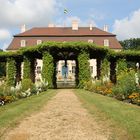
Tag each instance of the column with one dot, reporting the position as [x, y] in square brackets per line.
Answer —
[32, 73]
[18, 71]
[113, 78]
[54, 74]
[29, 68]
[77, 73]
[98, 68]
[10, 72]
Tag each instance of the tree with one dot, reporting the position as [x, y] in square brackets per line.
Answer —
[131, 44]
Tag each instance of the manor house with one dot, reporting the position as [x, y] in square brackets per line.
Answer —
[65, 70]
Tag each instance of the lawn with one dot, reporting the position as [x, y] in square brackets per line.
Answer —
[13, 113]
[122, 118]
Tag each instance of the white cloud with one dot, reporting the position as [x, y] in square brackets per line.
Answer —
[4, 34]
[30, 12]
[5, 45]
[129, 27]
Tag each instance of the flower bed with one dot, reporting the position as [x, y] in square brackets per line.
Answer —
[22, 90]
[125, 90]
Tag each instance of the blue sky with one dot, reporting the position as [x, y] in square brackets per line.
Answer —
[122, 16]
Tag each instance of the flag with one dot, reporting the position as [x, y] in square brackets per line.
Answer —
[65, 11]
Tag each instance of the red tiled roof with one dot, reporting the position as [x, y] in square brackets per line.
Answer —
[64, 31]
[61, 34]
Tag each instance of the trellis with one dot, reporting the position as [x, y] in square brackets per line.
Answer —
[51, 52]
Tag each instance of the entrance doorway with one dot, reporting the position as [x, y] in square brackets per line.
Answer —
[66, 74]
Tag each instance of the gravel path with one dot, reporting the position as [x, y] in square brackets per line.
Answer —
[63, 118]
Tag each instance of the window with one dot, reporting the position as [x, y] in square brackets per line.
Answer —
[91, 69]
[38, 71]
[39, 42]
[90, 41]
[106, 42]
[23, 43]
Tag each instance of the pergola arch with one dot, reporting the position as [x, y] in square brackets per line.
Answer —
[65, 51]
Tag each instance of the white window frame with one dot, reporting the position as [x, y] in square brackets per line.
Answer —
[106, 43]
[23, 43]
[39, 42]
[90, 41]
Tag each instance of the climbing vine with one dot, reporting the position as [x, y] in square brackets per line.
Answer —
[11, 72]
[105, 67]
[26, 68]
[121, 66]
[84, 69]
[48, 69]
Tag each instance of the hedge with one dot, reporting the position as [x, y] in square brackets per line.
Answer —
[84, 68]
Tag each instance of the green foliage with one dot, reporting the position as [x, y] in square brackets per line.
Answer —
[84, 69]
[26, 84]
[105, 67]
[126, 85]
[129, 55]
[6, 94]
[26, 68]
[2, 69]
[48, 69]
[75, 46]
[11, 72]
[4, 55]
[121, 66]
[123, 119]
[16, 111]
[90, 86]
[132, 44]
[65, 45]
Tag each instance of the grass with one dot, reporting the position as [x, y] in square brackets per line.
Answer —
[123, 119]
[11, 114]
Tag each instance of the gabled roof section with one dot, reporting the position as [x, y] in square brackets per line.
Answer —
[63, 31]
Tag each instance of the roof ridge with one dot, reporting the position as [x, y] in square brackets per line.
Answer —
[59, 31]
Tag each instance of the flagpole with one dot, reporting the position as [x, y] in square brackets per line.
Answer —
[65, 13]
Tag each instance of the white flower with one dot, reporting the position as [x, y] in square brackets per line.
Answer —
[23, 94]
[12, 89]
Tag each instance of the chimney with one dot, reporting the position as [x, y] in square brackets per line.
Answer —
[23, 28]
[74, 25]
[106, 28]
[51, 25]
[90, 27]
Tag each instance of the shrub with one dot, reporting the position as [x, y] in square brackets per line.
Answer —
[84, 69]
[26, 84]
[121, 66]
[33, 89]
[126, 85]
[105, 71]
[11, 72]
[99, 87]
[7, 95]
[89, 86]
[48, 68]
[41, 86]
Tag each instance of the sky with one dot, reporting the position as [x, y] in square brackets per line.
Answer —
[121, 16]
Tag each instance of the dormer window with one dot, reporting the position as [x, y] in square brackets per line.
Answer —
[106, 42]
[90, 41]
[39, 42]
[23, 43]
